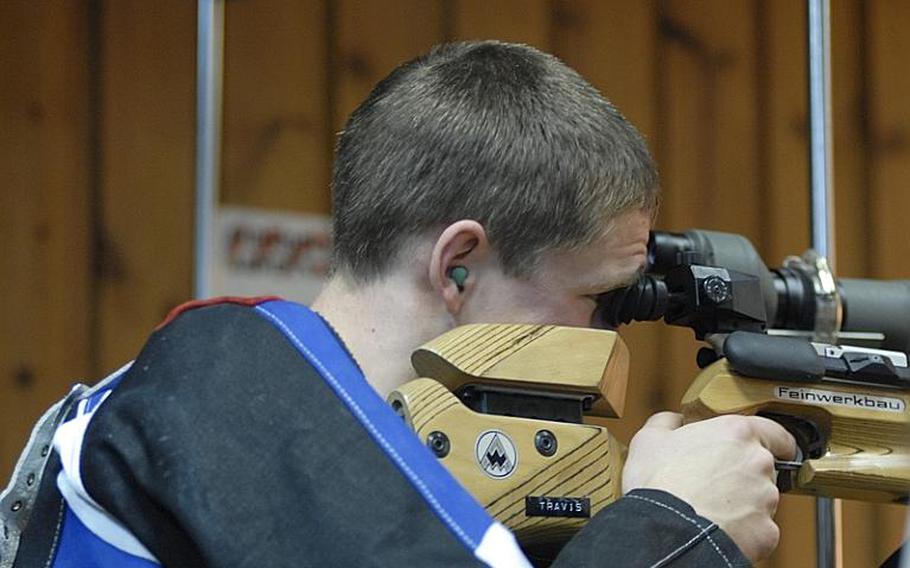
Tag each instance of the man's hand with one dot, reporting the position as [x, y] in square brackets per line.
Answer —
[722, 467]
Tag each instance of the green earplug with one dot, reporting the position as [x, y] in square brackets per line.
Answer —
[458, 274]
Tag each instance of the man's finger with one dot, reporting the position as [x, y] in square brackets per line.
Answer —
[775, 438]
[664, 421]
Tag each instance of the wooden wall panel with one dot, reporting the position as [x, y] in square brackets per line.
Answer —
[45, 232]
[887, 89]
[783, 171]
[147, 143]
[850, 101]
[519, 21]
[717, 40]
[277, 133]
[718, 89]
[369, 39]
[889, 125]
[614, 46]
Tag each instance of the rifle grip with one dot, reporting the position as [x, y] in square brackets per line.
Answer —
[866, 429]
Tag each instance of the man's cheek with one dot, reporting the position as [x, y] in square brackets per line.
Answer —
[574, 314]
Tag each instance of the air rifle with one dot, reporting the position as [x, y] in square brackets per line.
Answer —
[507, 408]
[844, 396]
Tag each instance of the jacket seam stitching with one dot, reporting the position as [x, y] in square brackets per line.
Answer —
[53, 550]
[691, 520]
[683, 546]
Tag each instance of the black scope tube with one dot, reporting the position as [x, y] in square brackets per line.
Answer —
[881, 306]
[877, 306]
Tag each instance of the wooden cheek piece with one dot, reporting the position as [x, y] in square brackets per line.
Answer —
[541, 478]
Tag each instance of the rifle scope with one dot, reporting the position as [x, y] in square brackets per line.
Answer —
[717, 283]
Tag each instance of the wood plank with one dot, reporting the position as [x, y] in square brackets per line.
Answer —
[613, 46]
[277, 134]
[370, 39]
[888, 45]
[784, 139]
[850, 101]
[147, 143]
[516, 21]
[45, 271]
[888, 131]
[719, 37]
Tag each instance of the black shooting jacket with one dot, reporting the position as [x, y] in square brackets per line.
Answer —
[245, 435]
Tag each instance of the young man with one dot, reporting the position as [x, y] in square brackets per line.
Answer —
[483, 182]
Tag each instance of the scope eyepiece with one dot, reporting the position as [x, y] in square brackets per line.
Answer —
[646, 300]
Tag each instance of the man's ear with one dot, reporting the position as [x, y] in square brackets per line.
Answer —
[462, 244]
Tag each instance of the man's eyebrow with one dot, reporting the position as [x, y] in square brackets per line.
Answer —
[632, 278]
[610, 285]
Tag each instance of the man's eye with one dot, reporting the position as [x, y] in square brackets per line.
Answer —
[599, 297]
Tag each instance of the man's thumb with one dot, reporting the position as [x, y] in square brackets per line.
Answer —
[664, 421]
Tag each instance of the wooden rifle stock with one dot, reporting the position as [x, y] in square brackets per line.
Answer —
[540, 477]
[860, 434]
[485, 405]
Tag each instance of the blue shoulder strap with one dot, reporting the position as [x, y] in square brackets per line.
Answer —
[454, 506]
